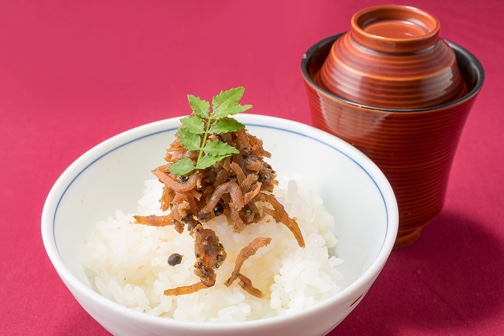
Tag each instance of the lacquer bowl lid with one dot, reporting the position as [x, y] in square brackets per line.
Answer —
[392, 57]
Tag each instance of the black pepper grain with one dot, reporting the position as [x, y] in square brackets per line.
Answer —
[187, 218]
[218, 210]
[174, 259]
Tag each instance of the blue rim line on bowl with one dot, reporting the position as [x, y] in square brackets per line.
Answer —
[248, 124]
[93, 162]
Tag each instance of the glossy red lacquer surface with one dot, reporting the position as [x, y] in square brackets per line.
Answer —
[392, 57]
[414, 148]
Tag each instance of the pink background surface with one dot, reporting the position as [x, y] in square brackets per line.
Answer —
[74, 73]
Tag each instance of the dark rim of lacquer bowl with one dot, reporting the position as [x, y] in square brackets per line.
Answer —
[470, 68]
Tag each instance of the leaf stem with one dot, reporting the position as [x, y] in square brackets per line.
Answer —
[209, 119]
[203, 142]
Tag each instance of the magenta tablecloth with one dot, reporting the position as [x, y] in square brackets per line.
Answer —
[73, 73]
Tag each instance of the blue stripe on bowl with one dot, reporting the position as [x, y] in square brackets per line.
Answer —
[248, 124]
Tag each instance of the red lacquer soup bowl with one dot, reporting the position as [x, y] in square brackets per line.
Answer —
[413, 147]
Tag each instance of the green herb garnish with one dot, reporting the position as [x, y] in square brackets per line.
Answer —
[197, 127]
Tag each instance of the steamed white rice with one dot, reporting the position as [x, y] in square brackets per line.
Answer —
[127, 263]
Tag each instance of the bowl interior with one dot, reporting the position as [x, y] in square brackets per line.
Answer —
[110, 177]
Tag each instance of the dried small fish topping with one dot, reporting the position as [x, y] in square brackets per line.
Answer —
[216, 168]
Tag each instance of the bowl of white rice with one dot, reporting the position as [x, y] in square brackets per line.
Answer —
[117, 271]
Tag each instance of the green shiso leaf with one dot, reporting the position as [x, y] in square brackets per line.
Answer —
[209, 160]
[200, 107]
[182, 167]
[226, 126]
[189, 140]
[203, 122]
[227, 103]
[193, 124]
[219, 148]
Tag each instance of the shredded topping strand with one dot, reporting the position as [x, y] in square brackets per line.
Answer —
[237, 184]
[244, 254]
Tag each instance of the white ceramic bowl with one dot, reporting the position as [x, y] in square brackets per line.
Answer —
[354, 190]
